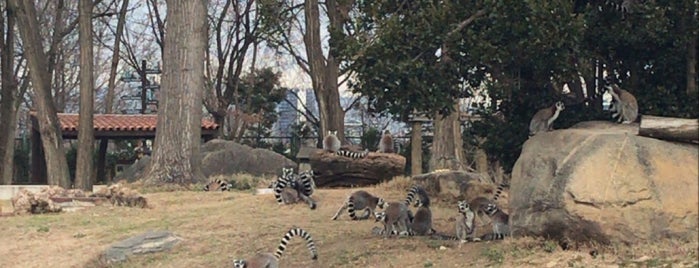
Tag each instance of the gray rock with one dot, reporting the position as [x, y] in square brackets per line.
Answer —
[600, 182]
[149, 242]
[222, 157]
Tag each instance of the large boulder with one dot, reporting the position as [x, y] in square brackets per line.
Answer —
[222, 157]
[600, 182]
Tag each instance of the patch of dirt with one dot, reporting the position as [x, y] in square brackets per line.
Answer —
[218, 227]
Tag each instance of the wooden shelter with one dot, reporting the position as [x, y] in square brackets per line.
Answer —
[106, 126]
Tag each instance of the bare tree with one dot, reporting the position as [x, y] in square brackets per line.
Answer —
[10, 94]
[176, 156]
[234, 31]
[56, 164]
[86, 139]
[324, 70]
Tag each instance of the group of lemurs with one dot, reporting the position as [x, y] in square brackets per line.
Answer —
[624, 108]
[396, 216]
[399, 220]
[332, 143]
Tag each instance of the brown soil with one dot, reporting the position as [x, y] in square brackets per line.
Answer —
[218, 227]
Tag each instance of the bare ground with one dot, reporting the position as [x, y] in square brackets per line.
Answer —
[218, 227]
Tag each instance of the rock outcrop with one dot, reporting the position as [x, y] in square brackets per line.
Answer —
[600, 182]
[222, 157]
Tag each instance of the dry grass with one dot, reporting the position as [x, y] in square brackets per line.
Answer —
[220, 226]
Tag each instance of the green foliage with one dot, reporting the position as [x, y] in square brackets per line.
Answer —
[370, 139]
[521, 53]
[258, 95]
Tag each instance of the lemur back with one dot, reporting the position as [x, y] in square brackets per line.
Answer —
[421, 224]
[396, 214]
[386, 143]
[331, 142]
[360, 200]
[625, 105]
[268, 260]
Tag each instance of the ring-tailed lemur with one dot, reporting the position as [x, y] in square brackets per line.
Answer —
[303, 182]
[396, 217]
[285, 194]
[218, 185]
[543, 119]
[466, 223]
[500, 220]
[352, 154]
[386, 143]
[624, 104]
[331, 142]
[421, 223]
[360, 200]
[479, 204]
[412, 191]
[306, 182]
[269, 260]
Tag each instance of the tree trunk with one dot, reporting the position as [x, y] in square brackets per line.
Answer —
[447, 145]
[9, 100]
[109, 99]
[332, 170]
[176, 156]
[324, 72]
[86, 138]
[692, 66]
[669, 128]
[28, 25]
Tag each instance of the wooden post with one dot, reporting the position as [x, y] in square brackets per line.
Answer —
[416, 149]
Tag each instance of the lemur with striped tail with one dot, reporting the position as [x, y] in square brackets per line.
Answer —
[269, 260]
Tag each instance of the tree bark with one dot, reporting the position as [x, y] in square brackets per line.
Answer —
[9, 99]
[56, 164]
[669, 128]
[447, 145]
[86, 137]
[109, 98]
[176, 157]
[692, 66]
[324, 71]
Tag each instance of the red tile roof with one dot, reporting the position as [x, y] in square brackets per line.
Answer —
[121, 122]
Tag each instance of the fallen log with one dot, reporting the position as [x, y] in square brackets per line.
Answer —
[332, 170]
[670, 128]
